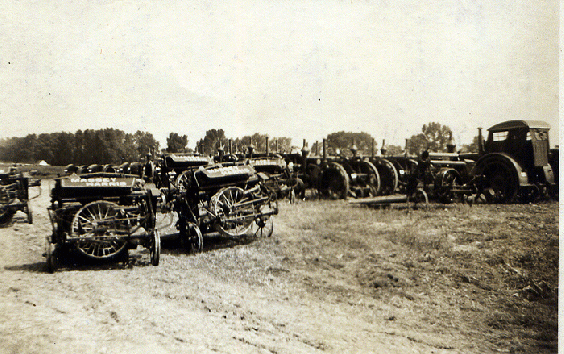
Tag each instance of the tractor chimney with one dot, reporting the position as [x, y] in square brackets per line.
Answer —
[324, 151]
[451, 146]
[480, 142]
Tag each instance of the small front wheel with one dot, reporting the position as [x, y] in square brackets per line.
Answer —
[263, 227]
[155, 249]
[196, 239]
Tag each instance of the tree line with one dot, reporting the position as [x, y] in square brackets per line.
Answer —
[114, 146]
[84, 147]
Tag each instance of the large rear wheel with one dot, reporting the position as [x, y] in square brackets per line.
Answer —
[233, 214]
[500, 183]
[372, 181]
[99, 228]
[335, 182]
[389, 177]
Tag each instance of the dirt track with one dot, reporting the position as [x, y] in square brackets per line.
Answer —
[300, 291]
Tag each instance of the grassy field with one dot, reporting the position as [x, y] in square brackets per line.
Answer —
[486, 272]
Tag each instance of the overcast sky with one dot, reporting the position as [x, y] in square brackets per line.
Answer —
[296, 68]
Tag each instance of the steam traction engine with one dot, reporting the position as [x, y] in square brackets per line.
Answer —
[100, 216]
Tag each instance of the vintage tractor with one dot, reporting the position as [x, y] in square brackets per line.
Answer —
[350, 177]
[101, 216]
[336, 177]
[513, 164]
[230, 199]
[14, 195]
[281, 181]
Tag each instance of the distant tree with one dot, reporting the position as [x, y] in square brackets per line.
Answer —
[345, 140]
[176, 143]
[18, 149]
[104, 146]
[129, 149]
[258, 140]
[63, 149]
[240, 145]
[45, 147]
[145, 144]
[417, 144]
[280, 144]
[434, 137]
[10, 149]
[212, 141]
[394, 150]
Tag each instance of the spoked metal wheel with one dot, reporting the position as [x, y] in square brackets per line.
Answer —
[155, 248]
[389, 176]
[264, 225]
[233, 215]
[99, 228]
[191, 237]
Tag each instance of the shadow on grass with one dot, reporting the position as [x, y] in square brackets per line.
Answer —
[172, 245]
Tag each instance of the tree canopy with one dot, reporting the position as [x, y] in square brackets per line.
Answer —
[176, 143]
[211, 142]
[343, 141]
[104, 146]
[434, 137]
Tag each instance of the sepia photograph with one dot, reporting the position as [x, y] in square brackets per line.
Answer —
[295, 176]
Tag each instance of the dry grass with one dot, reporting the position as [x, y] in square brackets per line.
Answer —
[487, 275]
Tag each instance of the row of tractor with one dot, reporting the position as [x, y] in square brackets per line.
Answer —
[514, 164]
[102, 212]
